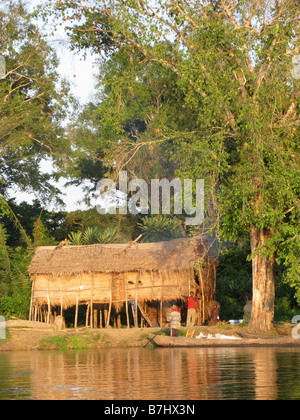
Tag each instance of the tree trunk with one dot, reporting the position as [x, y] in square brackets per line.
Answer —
[263, 285]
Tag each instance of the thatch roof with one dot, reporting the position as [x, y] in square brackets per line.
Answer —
[177, 254]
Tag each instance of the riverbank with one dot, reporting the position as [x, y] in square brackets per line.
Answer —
[28, 336]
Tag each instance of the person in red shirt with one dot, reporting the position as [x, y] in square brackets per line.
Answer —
[191, 314]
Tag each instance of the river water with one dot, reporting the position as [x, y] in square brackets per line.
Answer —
[152, 374]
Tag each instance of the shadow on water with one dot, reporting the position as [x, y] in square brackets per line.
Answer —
[146, 374]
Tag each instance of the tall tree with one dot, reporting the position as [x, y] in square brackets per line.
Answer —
[33, 103]
[233, 62]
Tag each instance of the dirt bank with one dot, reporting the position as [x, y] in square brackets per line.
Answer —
[26, 335]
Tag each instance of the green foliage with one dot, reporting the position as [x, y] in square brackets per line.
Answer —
[26, 222]
[5, 264]
[90, 236]
[94, 236]
[234, 276]
[15, 286]
[81, 220]
[12, 222]
[15, 289]
[15, 305]
[75, 238]
[109, 236]
[289, 251]
[285, 308]
[159, 228]
[88, 162]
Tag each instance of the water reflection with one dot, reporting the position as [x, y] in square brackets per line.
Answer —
[144, 374]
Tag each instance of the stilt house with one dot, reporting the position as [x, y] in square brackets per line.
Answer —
[145, 278]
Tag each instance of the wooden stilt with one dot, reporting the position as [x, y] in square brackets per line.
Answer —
[105, 315]
[161, 317]
[126, 303]
[49, 306]
[76, 313]
[92, 312]
[31, 299]
[110, 302]
[136, 323]
[87, 315]
[96, 318]
[119, 325]
[202, 292]
[31, 311]
[100, 316]
[161, 302]
[61, 299]
[108, 315]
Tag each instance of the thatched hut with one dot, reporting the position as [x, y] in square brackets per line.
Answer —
[106, 278]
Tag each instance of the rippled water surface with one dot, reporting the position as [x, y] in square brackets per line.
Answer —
[144, 374]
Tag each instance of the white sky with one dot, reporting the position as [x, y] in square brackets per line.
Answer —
[80, 73]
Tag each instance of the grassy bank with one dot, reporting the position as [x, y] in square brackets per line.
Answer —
[88, 340]
[35, 336]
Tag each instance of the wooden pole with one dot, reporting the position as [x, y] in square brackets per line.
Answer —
[76, 312]
[119, 325]
[161, 306]
[96, 318]
[202, 292]
[49, 306]
[161, 301]
[100, 316]
[61, 298]
[110, 303]
[136, 323]
[92, 312]
[31, 299]
[126, 303]
[105, 315]
[30, 309]
[87, 315]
